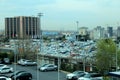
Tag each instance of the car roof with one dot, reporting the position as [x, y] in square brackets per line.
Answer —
[27, 60]
[94, 74]
[80, 71]
[16, 72]
[24, 73]
[48, 64]
[2, 64]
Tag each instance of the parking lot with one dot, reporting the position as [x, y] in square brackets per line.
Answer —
[38, 75]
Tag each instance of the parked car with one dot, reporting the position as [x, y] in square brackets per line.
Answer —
[91, 76]
[6, 69]
[75, 75]
[28, 63]
[3, 65]
[22, 75]
[6, 61]
[48, 67]
[15, 73]
[21, 61]
[3, 77]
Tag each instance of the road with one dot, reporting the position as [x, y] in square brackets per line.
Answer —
[38, 75]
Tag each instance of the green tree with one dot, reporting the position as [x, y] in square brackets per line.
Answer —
[118, 57]
[105, 55]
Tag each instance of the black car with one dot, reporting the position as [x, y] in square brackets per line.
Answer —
[15, 73]
[21, 75]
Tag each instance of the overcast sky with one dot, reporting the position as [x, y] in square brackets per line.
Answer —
[63, 14]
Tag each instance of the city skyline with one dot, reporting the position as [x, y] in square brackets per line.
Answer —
[63, 14]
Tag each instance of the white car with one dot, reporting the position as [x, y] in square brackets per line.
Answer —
[5, 78]
[3, 65]
[6, 69]
[91, 76]
[21, 61]
[28, 63]
[48, 67]
[75, 75]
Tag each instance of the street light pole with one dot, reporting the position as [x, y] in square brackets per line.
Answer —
[77, 22]
[84, 61]
[116, 58]
[58, 56]
[84, 57]
[40, 15]
[58, 67]
[77, 29]
[40, 37]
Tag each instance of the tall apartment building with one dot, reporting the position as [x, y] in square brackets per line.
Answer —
[22, 27]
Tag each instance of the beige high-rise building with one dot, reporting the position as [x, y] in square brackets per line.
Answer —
[22, 27]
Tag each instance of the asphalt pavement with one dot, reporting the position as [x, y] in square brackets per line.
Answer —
[38, 75]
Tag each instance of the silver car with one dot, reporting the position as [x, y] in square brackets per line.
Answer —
[48, 67]
[28, 63]
[91, 76]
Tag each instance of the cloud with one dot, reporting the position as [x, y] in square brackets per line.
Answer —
[63, 12]
[65, 5]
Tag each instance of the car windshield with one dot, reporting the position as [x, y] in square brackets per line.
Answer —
[76, 72]
[87, 75]
[17, 72]
[28, 61]
[44, 65]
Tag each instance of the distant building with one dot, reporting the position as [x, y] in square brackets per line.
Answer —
[22, 27]
[82, 34]
[70, 36]
[91, 34]
[83, 31]
[98, 33]
[109, 32]
[118, 31]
